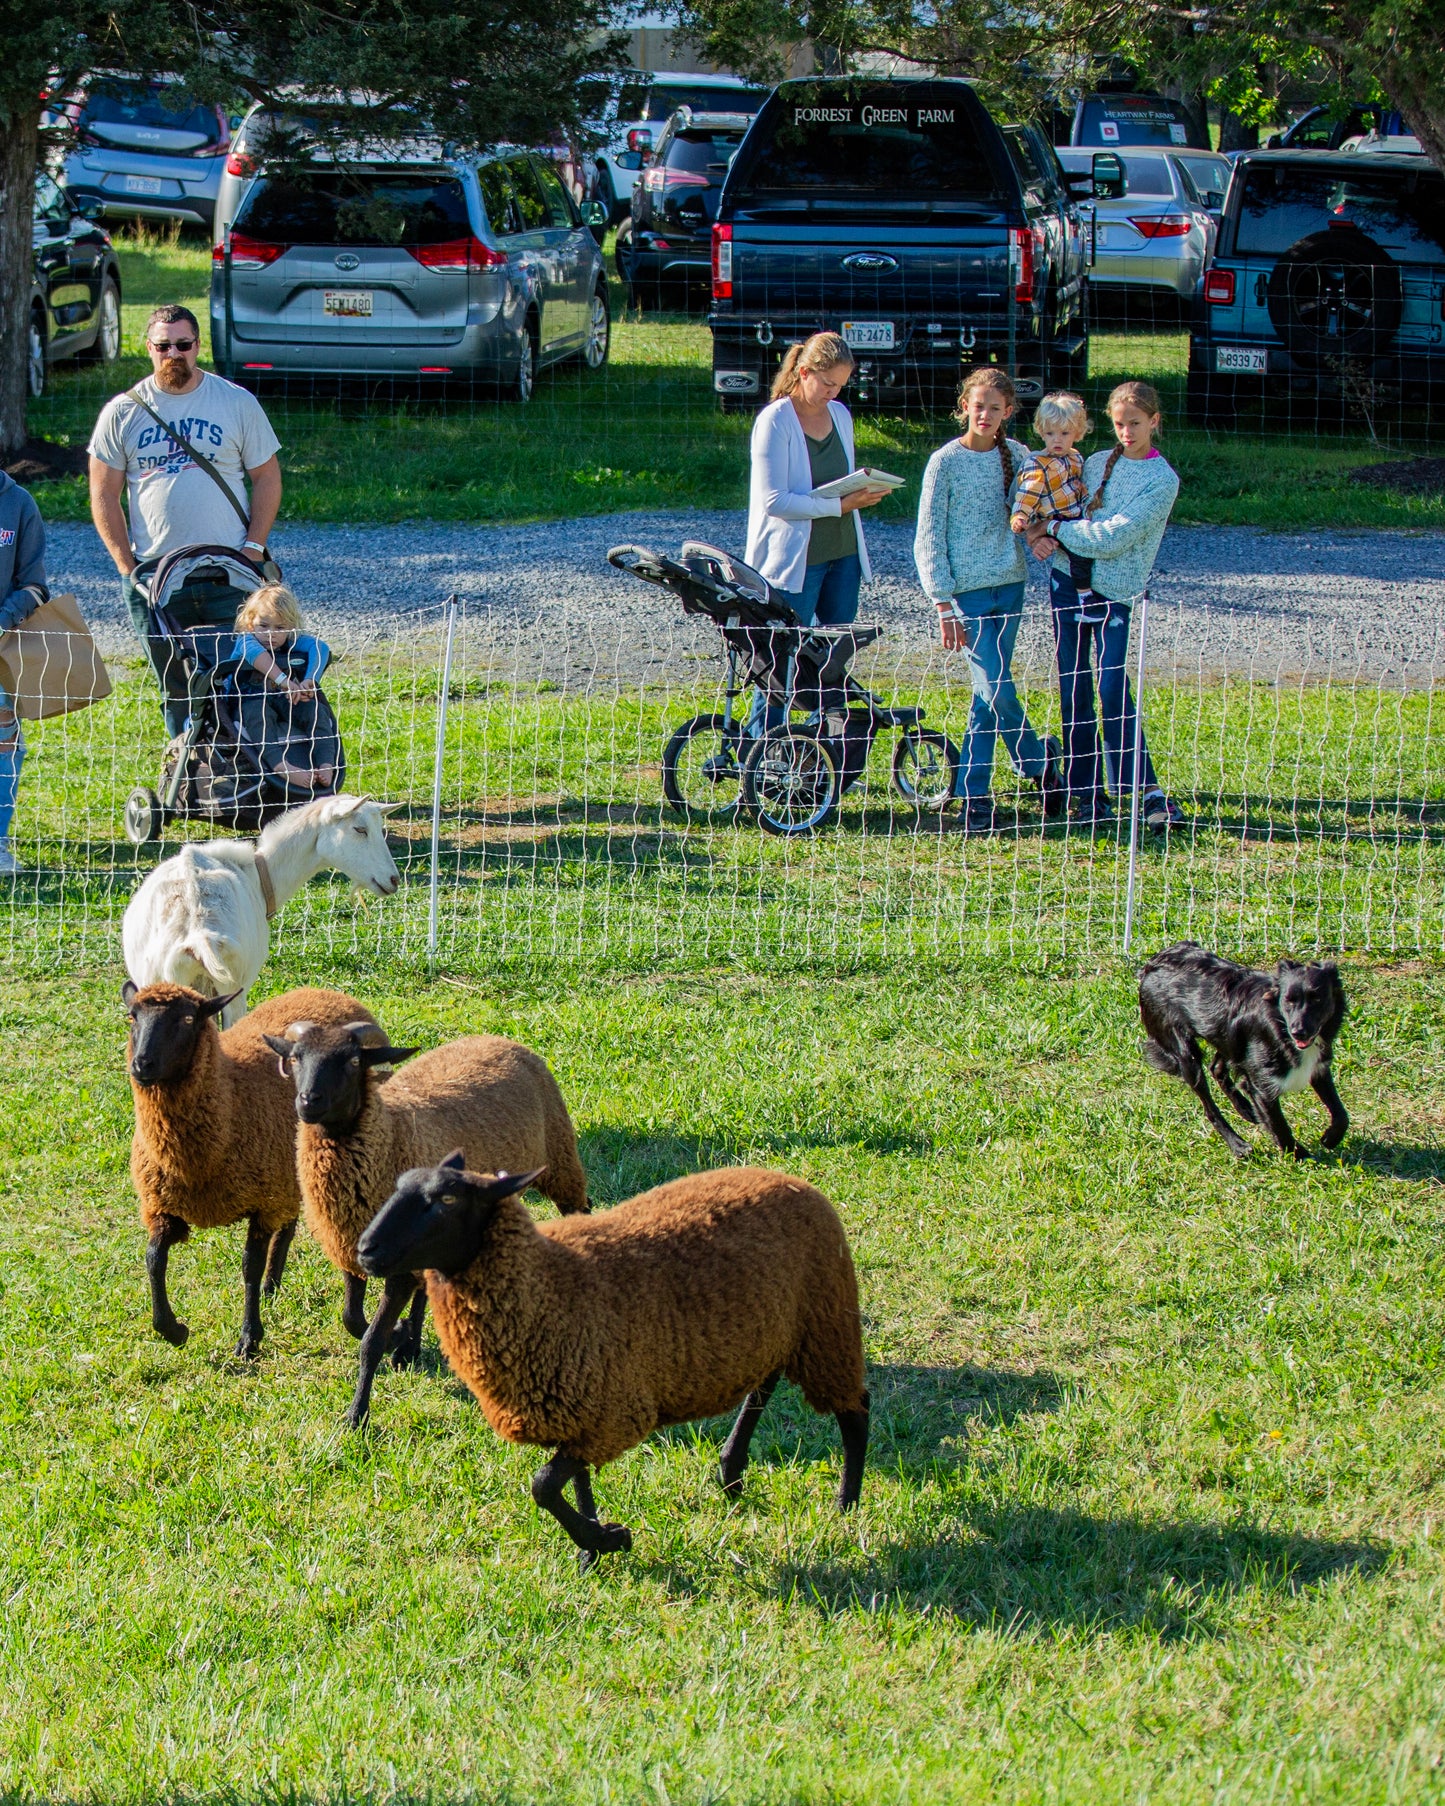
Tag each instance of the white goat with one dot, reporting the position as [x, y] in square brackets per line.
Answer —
[202, 918]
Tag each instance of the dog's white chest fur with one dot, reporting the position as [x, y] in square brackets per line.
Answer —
[1299, 1078]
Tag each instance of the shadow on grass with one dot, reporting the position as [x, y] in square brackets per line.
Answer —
[1024, 1570]
[1400, 1160]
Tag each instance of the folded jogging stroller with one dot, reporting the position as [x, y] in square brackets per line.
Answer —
[226, 766]
[808, 738]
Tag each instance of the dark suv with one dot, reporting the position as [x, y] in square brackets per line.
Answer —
[664, 251]
[1329, 276]
[896, 213]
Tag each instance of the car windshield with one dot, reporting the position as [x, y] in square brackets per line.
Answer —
[703, 153]
[152, 108]
[1404, 211]
[665, 99]
[331, 208]
[1132, 119]
[903, 142]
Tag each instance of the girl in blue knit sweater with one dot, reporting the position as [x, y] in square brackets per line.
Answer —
[972, 564]
[1132, 492]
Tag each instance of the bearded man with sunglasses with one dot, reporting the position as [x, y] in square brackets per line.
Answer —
[142, 448]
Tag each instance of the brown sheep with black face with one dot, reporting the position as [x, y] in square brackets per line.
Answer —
[493, 1096]
[587, 1335]
[215, 1132]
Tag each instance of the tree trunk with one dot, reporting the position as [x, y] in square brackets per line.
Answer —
[1421, 102]
[1236, 133]
[19, 147]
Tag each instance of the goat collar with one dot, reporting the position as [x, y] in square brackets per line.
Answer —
[268, 894]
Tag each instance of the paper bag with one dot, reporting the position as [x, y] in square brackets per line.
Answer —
[49, 663]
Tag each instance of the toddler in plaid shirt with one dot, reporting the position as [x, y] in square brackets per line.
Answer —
[1052, 487]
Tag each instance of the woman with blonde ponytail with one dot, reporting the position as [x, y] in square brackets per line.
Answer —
[1132, 490]
[809, 546]
[972, 565]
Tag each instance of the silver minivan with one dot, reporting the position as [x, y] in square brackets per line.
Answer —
[1158, 235]
[481, 270]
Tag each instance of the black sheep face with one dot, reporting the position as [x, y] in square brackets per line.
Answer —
[164, 1035]
[436, 1219]
[328, 1066]
[1307, 998]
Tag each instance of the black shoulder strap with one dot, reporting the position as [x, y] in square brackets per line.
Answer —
[199, 458]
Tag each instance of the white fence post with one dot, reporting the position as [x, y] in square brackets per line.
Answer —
[436, 787]
[1138, 761]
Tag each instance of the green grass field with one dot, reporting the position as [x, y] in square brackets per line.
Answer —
[646, 434]
[1154, 1504]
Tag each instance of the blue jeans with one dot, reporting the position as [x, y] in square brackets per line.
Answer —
[828, 598]
[12, 757]
[992, 618]
[1108, 641]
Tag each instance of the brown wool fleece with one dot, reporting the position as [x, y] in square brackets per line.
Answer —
[588, 1334]
[493, 1098]
[220, 1144]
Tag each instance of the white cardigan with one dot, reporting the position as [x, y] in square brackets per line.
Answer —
[781, 507]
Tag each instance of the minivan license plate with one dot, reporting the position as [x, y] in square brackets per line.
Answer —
[143, 184]
[1253, 358]
[868, 335]
[348, 303]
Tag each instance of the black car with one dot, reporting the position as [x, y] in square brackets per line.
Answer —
[664, 252]
[1328, 282]
[74, 288]
[895, 212]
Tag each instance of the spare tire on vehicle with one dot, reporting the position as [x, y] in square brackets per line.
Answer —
[1335, 294]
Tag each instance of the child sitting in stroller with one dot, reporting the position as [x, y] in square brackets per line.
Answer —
[277, 688]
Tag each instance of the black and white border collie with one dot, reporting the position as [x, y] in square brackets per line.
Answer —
[1272, 1033]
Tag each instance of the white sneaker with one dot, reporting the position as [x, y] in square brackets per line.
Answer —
[9, 864]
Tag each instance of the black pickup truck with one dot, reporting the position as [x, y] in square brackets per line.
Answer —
[897, 213]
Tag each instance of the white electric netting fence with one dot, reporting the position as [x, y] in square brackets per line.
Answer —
[1304, 750]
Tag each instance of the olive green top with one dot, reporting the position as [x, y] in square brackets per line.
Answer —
[835, 536]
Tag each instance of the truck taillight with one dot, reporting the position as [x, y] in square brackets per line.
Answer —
[1219, 288]
[722, 263]
[239, 164]
[1025, 242]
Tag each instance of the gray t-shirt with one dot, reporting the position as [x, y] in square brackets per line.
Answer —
[171, 500]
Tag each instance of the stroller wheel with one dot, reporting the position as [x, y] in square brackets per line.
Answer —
[790, 781]
[925, 769]
[702, 769]
[144, 816]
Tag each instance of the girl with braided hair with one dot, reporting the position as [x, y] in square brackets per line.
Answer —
[972, 565]
[1132, 490]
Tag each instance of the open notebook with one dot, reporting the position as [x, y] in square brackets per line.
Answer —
[859, 479]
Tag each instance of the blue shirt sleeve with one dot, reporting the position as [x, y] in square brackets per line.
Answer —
[29, 570]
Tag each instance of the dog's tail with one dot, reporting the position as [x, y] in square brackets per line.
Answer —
[1160, 1058]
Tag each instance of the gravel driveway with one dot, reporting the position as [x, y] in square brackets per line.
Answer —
[1225, 598]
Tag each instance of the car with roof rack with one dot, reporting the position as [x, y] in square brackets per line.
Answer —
[664, 251]
[1328, 282]
[628, 114]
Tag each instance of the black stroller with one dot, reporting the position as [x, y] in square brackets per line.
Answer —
[792, 772]
[225, 767]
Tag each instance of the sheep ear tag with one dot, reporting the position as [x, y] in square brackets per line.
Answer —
[511, 1185]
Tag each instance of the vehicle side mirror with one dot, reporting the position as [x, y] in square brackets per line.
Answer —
[1213, 199]
[1108, 176]
[594, 213]
[1080, 187]
[630, 160]
[1274, 141]
[639, 139]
